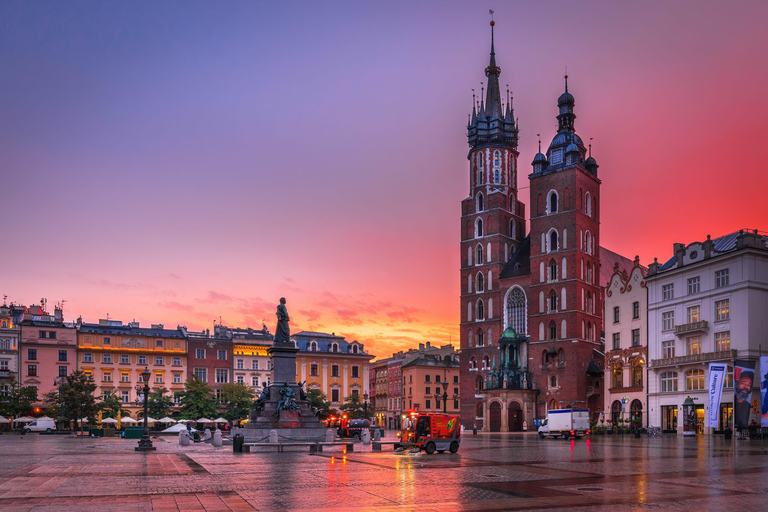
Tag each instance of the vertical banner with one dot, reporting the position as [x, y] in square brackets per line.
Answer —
[743, 376]
[764, 390]
[716, 376]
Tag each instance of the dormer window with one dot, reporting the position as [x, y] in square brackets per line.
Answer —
[354, 349]
[335, 347]
[313, 346]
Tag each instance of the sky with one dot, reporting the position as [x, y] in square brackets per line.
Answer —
[190, 162]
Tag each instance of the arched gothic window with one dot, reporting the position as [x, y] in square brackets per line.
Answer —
[553, 202]
[479, 228]
[481, 339]
[552, 240]
[479, 255]
[470, 342]
[480, 205]
[617, 377]
[480, 315]
[552, 301]
[552, 270]
[512, 231]
[473, 363]
[552, 331]
[479, 282]
[516, 311]
[588, 205]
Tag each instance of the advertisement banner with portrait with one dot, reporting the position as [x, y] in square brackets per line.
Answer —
[716, 376]
[764, 390]
[743, 377]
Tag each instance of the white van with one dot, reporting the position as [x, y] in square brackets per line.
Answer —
[40, 426]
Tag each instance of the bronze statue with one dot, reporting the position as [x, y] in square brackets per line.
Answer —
[287, 403]
[263, 397]
[282, 331]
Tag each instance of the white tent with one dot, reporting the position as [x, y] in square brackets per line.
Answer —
[183, 421]
[167, 420]
[109, 420]
[23, 419]
[127, 419]
[204, 420]
[84, 420]
[3, 419]
[220, 420]
[149, 420]
[176, 429]
[46, 418]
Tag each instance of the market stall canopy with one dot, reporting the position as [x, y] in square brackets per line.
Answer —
[149, 420]
[3, 419]
[46, 418]
[109, 420]
[167, 420]
[220, 420]
[128, 419]
[176, 429]
[24, 418]
[204, 420]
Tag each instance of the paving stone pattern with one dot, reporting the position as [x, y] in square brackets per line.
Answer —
[490, 473]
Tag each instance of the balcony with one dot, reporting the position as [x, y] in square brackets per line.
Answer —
[703, 325]
[698, 358]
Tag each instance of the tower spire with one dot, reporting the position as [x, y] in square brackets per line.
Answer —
[493, 98]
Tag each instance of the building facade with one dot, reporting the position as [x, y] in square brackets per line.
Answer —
[9, 348]
[333, 365]
[251, 363]
[115, 355]
[626, 350]
[706, 304]
[209, 358]
[432, 383]
[48, 349]
[379, 393]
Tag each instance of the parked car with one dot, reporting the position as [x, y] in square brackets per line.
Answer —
[40, 426]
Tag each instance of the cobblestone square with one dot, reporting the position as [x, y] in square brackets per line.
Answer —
[490, 472]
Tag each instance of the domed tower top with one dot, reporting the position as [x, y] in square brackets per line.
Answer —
[565, 105]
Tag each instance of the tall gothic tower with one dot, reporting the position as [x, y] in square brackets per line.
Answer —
[492, 226]
[565, 314]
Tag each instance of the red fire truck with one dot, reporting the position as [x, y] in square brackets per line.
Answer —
[430, 432]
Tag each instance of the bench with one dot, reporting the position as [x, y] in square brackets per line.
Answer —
[376, 445]
[314, 447]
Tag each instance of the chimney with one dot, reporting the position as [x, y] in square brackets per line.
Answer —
[749, 239]
[421, 346]
[428, 346]
[58, 314]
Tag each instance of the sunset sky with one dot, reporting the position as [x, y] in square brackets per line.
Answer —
[177, 162]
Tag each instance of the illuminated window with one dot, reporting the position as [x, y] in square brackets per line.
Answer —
[107, 376]
[125, 377]
[694, 380]
[694, 314]
[723, 341]
[667, 320]
[693, 345]
[723, 309]
[668, 382]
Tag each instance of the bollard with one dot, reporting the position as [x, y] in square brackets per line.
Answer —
[366, 436]
[207, 435]
[183, 439]
[217, 438]
[237, 443]
[329, 436]
[273, 436]
[377, 435]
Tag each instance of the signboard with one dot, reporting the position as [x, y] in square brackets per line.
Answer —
[764, 391]
[716, 378]
[743, 377]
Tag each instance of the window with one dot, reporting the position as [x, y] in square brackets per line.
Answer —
[728, 382]
[159, 361]
[124, 397]
[668, 292]
[159, 343]
[240, 379]
[479, 255]
[32, 370]
[437, 379]
[552, 270]
[240, 364]
[456, 381]
[553, 202]
[106, 377]
[125, 377]
[177, 378]
[142, 360]
[334, 395]
[552, 241]
[479, 282]
[254, 381]
[313, 370]
[429, 404]
[41, 334]
[552, 331]
[427, 390]
[52, 335]
[200, 353]
[616, 341]
[427, 378]
[222, 355]
[694, 314]
[616, 315]
[617, 380]
[32, 354]
[335, 347]
[201, 373]
[107, 341]
[63, 356]
[106, 358]
[552, 301]
[254, 364]
[87, 357]
[177, 361]
[480, 313]
[694, 380]
[723, 309]
[334, 370]
[176, 398]
[668, 382]
[479, 228]
[667, 320]
[635, 310]
[222, 375]
[723, 341]
[693, 345]
[637, 373]
[355, 372]
[635, 337]
[722, 278]
[62, 371]
[480, 202]
[553, 381]
[693, 285]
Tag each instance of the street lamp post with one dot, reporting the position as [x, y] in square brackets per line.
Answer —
[145, 444]
[365, 404]
[445, 395]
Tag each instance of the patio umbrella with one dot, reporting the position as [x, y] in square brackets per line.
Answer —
[3, 419]
[109, 420]
[128, 419]
[204, 420]
[149, 420]
[183, 421]
[220, 420]
[84, 420]
[23, 419]
[167, 420]
[46, 418]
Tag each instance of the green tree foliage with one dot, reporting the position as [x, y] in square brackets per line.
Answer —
[197, 399]
[110, 406]
[75, 398]
[19, 400]
[237, 400]
[159, 403]
[353, 407]
[319, 401]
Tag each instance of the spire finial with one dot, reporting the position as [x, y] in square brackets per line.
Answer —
[539, 136]
[590, 146]
[566, 78]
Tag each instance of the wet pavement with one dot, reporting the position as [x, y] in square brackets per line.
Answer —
[490, 472]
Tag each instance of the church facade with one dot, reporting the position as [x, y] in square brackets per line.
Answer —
[531, 302]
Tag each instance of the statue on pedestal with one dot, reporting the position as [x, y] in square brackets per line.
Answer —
[258, 404]
[282, 331]
[302, 393]
[287, 403]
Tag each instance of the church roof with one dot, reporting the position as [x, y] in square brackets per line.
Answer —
[520, 262]
[608, 260]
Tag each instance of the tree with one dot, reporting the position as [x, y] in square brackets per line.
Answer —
[197, 399]
[237, 400]
[159, 404]
[319, 401]
[110, 406]
[75, 397]
[19, 400]
[353, 407]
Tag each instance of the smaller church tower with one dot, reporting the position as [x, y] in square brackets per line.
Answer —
[492, 227]
[565, 319]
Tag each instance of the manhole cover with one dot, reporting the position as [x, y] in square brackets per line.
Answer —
[590, 489]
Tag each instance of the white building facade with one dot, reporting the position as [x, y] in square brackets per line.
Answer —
[626, 346]
[708, 303]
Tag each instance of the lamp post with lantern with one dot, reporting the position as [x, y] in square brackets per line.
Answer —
[365, 404]
[445, 395]
[145, 444]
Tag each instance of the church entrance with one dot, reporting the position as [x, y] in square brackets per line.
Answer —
[494, 410]
[515, 417]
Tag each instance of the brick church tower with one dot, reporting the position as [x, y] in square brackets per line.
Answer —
[492, 227]
[565, 314]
